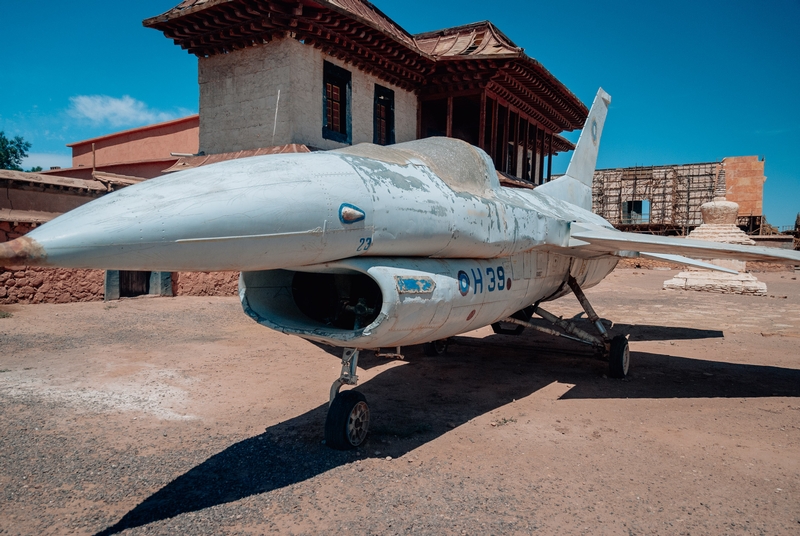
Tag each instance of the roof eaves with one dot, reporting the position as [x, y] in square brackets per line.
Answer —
[410, 44]
[48, 180]
[177, 11]
[500, 36]
[451, 30]
[459, 57]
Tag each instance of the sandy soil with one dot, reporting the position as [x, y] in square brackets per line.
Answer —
[182, 416]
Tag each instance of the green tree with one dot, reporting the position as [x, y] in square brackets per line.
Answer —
[12, 152]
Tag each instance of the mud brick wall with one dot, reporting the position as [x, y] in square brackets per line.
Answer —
[28, 284]
[205, 283]
[10, 231]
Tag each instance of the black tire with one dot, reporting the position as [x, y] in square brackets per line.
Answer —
[435, 348]
[347, 424]
[619, 358]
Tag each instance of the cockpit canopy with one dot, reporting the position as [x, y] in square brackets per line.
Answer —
[463, 167]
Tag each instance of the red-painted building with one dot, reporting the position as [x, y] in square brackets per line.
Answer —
[143, 152]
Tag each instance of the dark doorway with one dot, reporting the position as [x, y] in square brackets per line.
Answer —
[133, 283]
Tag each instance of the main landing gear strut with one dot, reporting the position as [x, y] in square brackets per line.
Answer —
[615, 350]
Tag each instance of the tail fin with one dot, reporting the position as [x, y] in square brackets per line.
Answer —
[576, 185]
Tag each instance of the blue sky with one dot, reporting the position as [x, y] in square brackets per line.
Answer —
[691, 81]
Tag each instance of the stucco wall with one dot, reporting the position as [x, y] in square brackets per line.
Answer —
[152, 142]
[239, 94]
[41, 200]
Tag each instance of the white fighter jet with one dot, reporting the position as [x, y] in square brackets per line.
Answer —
[373, 247]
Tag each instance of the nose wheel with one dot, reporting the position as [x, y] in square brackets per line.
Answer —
[348, 421]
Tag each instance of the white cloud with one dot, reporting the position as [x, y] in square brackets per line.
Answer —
[46, 160]
[126, 111]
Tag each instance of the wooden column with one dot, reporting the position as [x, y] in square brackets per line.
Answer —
[493, 146]
[482, 126]
[449, 117]
[550, 158]
[419, 118]
[503, 156]
[525, 166]
[541, 156]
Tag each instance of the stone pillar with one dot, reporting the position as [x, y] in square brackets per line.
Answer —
[111, 285]
[161, 283]
[719, 225]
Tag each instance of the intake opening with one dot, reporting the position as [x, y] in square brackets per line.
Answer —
[344, 301]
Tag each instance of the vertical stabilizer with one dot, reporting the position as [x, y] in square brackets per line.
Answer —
[576, 185]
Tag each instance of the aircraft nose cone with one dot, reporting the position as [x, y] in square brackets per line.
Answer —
[23, 251]
[250, 214]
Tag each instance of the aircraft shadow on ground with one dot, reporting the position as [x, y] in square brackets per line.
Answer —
[645, 332]
[426, 397]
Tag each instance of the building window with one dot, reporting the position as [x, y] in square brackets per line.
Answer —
[383, 123]
[336, 103]
[636, 212]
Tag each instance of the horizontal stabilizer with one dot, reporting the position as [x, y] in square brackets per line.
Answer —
[611, 240]
[680, 259]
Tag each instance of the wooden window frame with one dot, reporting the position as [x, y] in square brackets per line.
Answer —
[384, 97]
[334, 76]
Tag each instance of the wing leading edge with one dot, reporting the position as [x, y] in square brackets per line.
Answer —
[612, 241]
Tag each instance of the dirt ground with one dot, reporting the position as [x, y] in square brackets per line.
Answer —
[182, 416]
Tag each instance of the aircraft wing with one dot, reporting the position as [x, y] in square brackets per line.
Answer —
[680, 259]
[611, 240]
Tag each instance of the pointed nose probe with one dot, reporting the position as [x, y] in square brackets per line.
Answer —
[23, 251]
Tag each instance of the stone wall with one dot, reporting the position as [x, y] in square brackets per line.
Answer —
[239, 96]
[28, 284]
[205, 283]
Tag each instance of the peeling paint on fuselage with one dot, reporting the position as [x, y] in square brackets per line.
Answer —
[479, 239]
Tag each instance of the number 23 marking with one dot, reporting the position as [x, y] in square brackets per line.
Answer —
[364, 244]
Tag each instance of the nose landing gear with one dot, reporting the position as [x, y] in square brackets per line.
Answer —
[347, 423]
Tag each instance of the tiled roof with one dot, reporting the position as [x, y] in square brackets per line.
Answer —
[477, 39]
[189, 162]
[361, 10]
[39, 179]
[374, 17]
